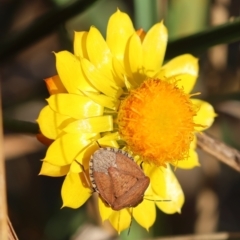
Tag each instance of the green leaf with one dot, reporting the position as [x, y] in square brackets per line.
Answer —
[19, 126]
[146, 14]
[41, 27]
[200, 42]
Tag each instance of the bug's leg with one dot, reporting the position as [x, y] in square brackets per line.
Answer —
[85, 175]
[131, 213]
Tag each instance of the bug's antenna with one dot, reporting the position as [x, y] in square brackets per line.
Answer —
[159, 200]
[98, 144]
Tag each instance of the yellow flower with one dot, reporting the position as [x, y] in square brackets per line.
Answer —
[116, 93]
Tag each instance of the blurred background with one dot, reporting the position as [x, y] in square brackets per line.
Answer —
[212, 191]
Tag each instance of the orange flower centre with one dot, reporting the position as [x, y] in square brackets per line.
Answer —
[156, 121]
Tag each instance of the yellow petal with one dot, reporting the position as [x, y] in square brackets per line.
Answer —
[183, 64]
[119, 30]
[79, 44]
[186, 82]
[130, 83]
[193, 144]
[48, 169]
[184, 68]
[54, 85]
[74, 190]
[109, 140]
[120, 220]
[145, 214]
[100, 81]
[157, 178]
[49, 122]
[75, 167]
[134, 58]
[111, 136]
[104, 210]
[70, 73]
[89, 125]
[189, 163]
[192, 160]
[98, 52]
[108, 143]
[64, 150]
[103, 100]
[84, 156]
[173, 192]
[154, 47]
[119, 71]
[205, 115]
[75, 106]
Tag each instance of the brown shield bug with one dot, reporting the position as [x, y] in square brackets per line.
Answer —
[119, 181]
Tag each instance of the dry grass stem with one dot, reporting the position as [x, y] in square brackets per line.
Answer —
[11, 233]
[3, 198]
[211, 236]
[6, 230]
[220, 150]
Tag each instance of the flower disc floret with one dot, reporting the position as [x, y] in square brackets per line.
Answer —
[156, 121]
